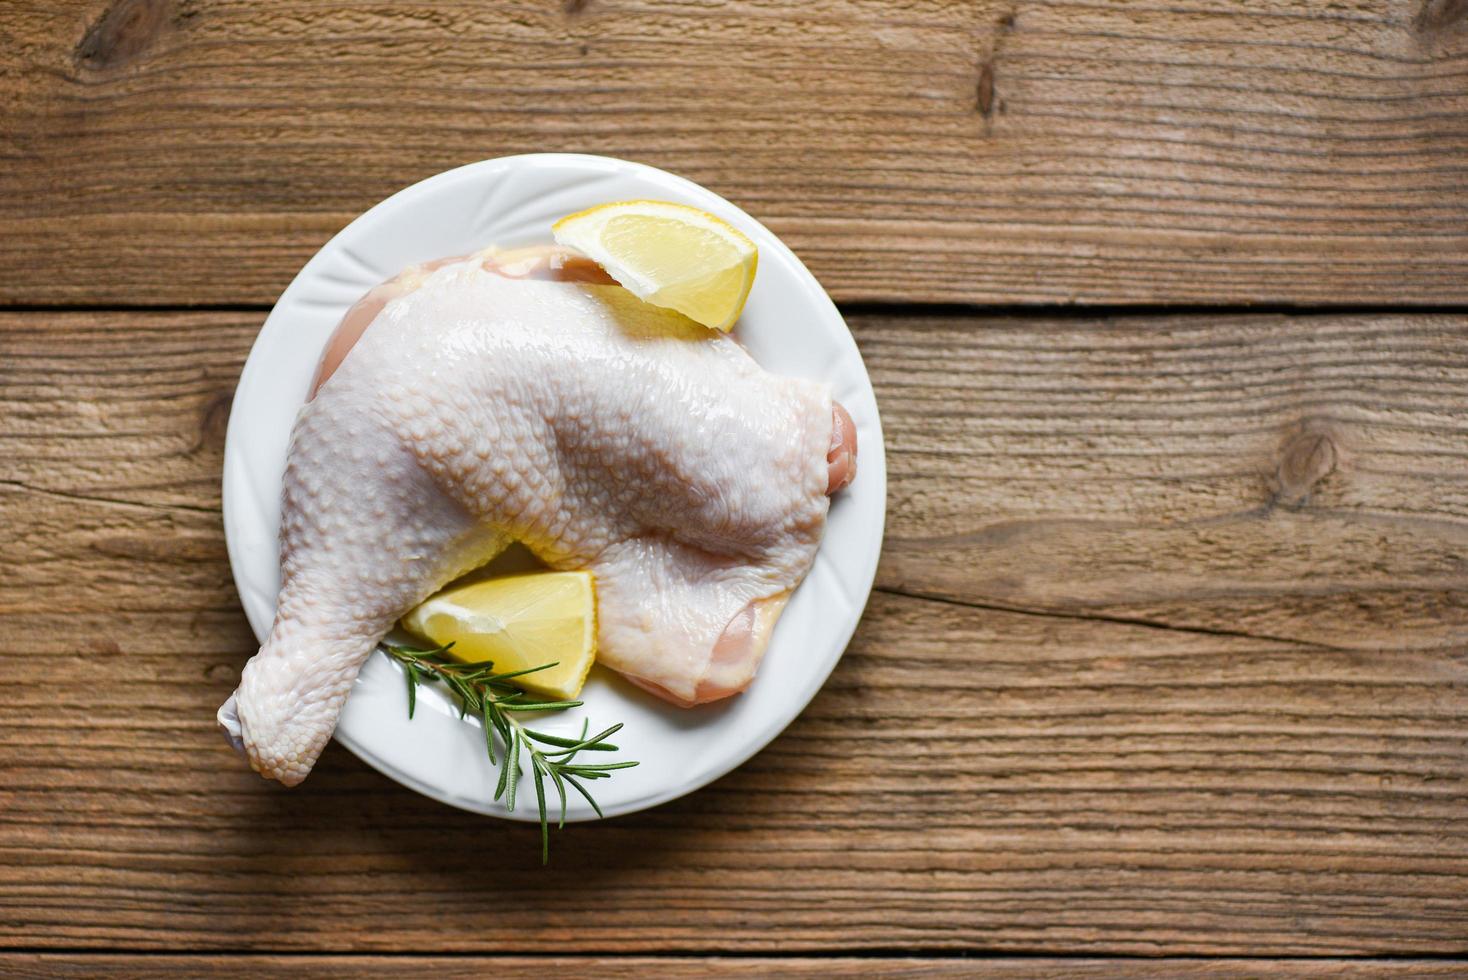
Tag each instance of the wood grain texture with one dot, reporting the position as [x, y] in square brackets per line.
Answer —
[1169, 657]
[27, 966]
[1304, 479]
[992, 151]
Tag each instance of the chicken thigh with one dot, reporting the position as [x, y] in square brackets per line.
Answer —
[525, 397]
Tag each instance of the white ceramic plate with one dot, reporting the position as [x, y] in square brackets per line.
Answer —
[789, 326]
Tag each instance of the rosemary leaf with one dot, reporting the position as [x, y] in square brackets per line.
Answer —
[496, 703]
[504, 773]
[569, 743]
[583, 768]
[538, 705]
[593, 744]
[536, 766]
[561, 791]
[512, 757]
[496, 678]
[411, 673]
[488, 727]
[582, 790]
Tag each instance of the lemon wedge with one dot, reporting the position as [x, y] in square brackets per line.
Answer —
[669, 255]
[517, 622]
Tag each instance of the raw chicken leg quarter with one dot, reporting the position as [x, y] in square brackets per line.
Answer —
[523, 396]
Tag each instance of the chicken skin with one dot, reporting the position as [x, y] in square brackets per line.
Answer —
[523, 396]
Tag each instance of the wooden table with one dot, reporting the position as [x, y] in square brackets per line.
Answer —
[1167, 310]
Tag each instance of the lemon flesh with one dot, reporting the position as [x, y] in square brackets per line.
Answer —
[670, 255]
[518, 622]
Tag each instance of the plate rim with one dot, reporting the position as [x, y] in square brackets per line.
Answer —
[860, 596]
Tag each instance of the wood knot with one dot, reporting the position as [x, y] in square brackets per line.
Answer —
[1307, 459]
[575, 6]
[213, 422]
[1437, 16]
[123, 33]
[986, 90]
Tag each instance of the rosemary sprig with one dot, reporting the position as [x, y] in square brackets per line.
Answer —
[498, 703]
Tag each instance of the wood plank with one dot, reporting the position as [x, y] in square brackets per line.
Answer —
[1296, 477]
[1104, 768]
[197, 151]
[23, 966]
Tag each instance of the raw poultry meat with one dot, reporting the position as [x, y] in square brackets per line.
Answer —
[522, 396]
